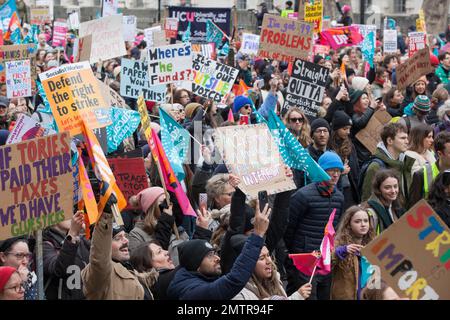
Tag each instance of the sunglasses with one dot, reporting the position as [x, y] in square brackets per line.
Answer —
[301, 120]
[247, 106]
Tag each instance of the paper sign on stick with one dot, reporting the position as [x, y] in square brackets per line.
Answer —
[250, 44]
[18, 78]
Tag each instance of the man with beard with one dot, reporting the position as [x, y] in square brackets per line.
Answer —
[109, 274]
[320, 133]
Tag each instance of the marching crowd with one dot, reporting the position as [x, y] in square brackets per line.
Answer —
[236, 249]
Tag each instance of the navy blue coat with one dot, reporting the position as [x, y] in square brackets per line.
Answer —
[194, 286]
[309, 212]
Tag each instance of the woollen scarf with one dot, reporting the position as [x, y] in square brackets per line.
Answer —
[325, 189]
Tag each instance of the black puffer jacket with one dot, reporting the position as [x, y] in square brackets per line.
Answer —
[309, 212]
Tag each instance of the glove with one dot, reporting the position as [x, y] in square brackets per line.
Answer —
[111, 201]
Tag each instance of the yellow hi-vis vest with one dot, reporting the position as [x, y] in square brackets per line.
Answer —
[430, 172]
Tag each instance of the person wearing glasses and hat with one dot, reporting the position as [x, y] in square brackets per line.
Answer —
[11, 284]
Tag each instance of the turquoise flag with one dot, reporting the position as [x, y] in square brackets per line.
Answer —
[225, 50]
[32, 36]
[124, 123]
[6, 11]
[187, 34]
[213, 34]
[16, 37]
[175, 140]
[368, 48]
[366, 271]
[292, 152]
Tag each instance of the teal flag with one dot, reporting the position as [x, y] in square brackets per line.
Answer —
[41, 92]
[124, 123]
[259, 117]
[6, 11]
[213, 34]
[225, 50]
[292, 152]
[16, 37]
[187, 34]
[32, 36]
[368, 48]
[366, 271]
[175, 141]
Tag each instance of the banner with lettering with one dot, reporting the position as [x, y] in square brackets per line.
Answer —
[417, 41]
[365, 30]
[60, 29]
[171, 27]
[40, 15]
[207, 50]
[250, 44]
[36, 188]
[18, 78]
[341, 37]
[17, 52]
[390, 41]
[129, 27]
[314, 14]
[413, 68]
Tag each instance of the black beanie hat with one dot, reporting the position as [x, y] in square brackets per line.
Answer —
[340, 120]
[319, 122]
[355, 95]
[192, 252]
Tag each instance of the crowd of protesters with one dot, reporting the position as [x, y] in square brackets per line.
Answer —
[235, 249]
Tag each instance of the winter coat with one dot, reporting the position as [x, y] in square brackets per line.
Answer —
[360, 121]
[344, 284]
[194, 286]
[58, 256]
[104, 279]
[381, 216]
[443, 74]
[160, 287]
[419, 160]
[444, 213]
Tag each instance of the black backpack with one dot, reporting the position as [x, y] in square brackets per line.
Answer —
[364, 168]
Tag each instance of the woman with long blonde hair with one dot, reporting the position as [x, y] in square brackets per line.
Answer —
[296, 121]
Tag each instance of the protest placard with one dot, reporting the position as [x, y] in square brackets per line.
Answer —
[198, 18]
[212, 80]
[18, 78]
[129, 27]
[82, 48]
[415, 67]
[35, 185]
[322, 50]
[112, 98]
[370, 135]
[390, 41]
[134, 82]
[107, 37]
[413, 255]
[285, 39]
[73, 93]
[59, 33]
[40, 15]
[109, 7]
[148, 35]
[124, 123]
[130, 175]
[169, 64]
[74, 20]
[255, 159]
[171, 27]
[27, 128]
[250, 44]
[207, 50]
[314, 13]
[340, 37]
[46, 3]
[306, 87]
[17, 52]
[417, 41]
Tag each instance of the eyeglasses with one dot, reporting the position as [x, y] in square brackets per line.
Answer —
[18, 287]
[334, 171]
[301, 120]
[247, 106]
[21, 256]
[319, 131]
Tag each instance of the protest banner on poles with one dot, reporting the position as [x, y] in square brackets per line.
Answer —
[285, 39]
[27, 128]
[390, 41]
[169, 64]
[250, 44]
[415, 67]
[74, 95]
[129, 27]
[417, 41]
[198, 18]
[255, 159]
[306, 87]
[413, 255]
[107, 38]
[60, 29]
[130, 176]
[340, 37]
[171, 27]
[212, 80]
[18, 78]
[134, 82]
[17, 52]
[370, 135]
[314, 14]
[40, 15]
[35, 185]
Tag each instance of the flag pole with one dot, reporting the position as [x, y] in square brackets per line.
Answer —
[314, 271]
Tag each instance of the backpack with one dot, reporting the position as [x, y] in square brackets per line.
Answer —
[364, 168]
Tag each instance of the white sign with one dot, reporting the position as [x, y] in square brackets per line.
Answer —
[18, 78]
[390, 41]
[109, 8]
[250, 44]
[74, 20]
[46, 3]
[129, 27]
[148, 34]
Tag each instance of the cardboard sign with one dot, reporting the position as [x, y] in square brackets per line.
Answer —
[171, 27]
[212, 80]
[413, 255]
[17, 52]
[60, 29]
[130, 176]
[129, 27]
[415, 67]
[285, 39]
[416, 42]
[107, 38]
[390, 41]
[35, 185]
[18, 78]
[250, 44]
[207, 50]
[314, 13]
[73, 93]
[170, 64]
[198, 17]
[250, 152]
[370, 135]
[134, 82]
[40, 15]
[27, 128]
[306, 87]
[113, 99]
[82, 48]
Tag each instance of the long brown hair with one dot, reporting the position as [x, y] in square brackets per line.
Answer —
[379, 178]
[149, 218]
[417, 135]
[304, 136]
[343, 147]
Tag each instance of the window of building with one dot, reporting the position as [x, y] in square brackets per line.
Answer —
[242, 4]
[399, 6]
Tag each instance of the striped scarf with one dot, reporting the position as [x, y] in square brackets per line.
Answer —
[325, 189]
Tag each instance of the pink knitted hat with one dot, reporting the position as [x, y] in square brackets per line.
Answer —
[148, 196]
